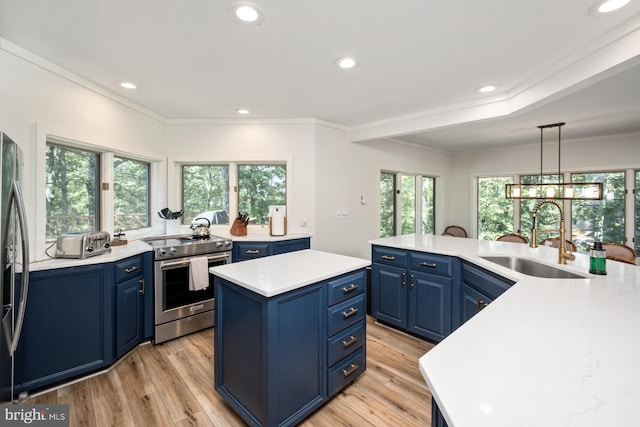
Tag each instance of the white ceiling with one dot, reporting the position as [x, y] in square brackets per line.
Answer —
[421, 62]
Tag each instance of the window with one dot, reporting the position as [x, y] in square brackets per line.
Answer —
[387, 204]
[495, 212]
[72, 198]
[408, 204]
[260, 186]
[130, 194]
[585, 220]
[548, 217]
[428, 205]
[601, 220]
[412, 207]
[205, 188]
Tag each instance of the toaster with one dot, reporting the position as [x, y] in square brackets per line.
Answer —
[83, 244]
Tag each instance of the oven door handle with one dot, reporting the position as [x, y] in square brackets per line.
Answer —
[184, 262]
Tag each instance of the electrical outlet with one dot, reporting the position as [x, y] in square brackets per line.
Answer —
[342, 213]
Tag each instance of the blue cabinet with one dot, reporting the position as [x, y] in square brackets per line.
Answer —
[134, 320]
[479, 288]
[278, 359]
[414, 291]
[81, 319]
[246, 250]
[67, 329]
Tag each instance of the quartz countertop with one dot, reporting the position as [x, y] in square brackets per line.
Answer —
[277, 274]
[117, 253]
[547, 352]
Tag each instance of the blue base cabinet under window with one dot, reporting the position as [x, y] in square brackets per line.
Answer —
[246, 250]
[278, 359]
[67, 330]
[414, 291]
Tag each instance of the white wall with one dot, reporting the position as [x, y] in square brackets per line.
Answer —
[237, 142]
[35, 101]
[348, 172]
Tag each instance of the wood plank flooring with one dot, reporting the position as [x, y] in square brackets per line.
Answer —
[172, 385]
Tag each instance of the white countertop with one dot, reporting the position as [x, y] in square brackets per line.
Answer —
[117, 253]
[548, 352]
[274, 275]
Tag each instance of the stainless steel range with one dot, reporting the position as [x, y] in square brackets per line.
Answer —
[180, 307]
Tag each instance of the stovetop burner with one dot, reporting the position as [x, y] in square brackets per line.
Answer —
[182, 245]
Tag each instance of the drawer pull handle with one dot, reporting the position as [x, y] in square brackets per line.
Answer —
[353, 287]
[426, 264]
[132, 269]
[141, 290]
[350, 370]
[352, 340]
[388, 257]
[482, 304]
[350, 313]
[252, 251]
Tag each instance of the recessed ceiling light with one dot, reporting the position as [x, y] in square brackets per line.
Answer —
[246, 13]
[346, 62]
[610, 5]
[128, 85]
[487, 88]
[242, 111]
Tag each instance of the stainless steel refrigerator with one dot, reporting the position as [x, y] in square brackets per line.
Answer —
[14, 263]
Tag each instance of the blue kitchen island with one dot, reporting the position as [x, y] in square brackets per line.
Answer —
[290, 332]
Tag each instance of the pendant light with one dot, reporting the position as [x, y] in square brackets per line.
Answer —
[559, 190]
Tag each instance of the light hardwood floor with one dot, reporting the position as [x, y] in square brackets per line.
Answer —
[172, 385]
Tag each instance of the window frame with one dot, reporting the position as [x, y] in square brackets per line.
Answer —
[397, 201]
[630, 222]
[44, 135]
[176, 189]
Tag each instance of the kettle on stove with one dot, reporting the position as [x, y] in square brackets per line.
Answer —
[200, 231]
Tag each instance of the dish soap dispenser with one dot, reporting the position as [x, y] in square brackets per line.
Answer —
[597, 259]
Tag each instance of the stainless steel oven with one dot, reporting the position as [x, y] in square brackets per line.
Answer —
[178, 310]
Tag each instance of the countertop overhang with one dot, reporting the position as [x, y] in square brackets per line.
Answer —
[548, 352]
[277, 274]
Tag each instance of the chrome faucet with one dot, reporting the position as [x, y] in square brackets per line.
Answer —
[563, 254]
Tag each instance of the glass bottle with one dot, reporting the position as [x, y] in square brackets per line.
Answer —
[598, 259]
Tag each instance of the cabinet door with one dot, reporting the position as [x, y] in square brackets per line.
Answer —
[389, 294]
[67, 327]
[130, 315]
[429, 305]
[472, 302]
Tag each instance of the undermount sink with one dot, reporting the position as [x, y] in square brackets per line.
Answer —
[531, 267]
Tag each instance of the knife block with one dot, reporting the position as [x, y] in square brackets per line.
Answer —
[238, 228]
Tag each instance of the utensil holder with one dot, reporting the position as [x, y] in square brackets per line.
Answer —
[172, 226]
[238, 228]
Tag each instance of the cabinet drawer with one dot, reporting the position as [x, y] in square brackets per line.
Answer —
[346, 286]
[346, 342]
[346, 371]
[431, 263]
[484, 281]
[389, 256]
[345, 314]
[129, 268]
[251, 250]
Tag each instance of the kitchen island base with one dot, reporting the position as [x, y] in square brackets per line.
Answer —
[276, 358]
